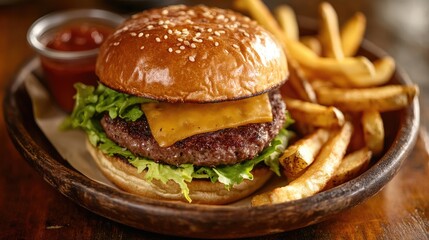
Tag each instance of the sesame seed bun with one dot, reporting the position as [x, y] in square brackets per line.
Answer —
[126, 177]
[191, 54]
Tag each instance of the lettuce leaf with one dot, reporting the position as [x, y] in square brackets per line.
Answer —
[92, 103]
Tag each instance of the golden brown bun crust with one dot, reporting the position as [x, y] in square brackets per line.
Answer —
[126, 177]
[191, 54]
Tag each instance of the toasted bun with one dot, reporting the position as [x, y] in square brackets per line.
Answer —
[126, 177]
[191, 54]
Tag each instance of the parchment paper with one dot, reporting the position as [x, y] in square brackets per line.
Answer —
[69, 144]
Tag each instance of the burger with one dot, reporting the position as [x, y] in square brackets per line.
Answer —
[187, 107]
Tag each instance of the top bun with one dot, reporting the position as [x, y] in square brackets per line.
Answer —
[191, 54]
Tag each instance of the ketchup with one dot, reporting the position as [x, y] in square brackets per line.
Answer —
[79, 38]
[60, 74]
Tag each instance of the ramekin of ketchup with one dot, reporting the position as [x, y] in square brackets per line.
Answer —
[67, 43]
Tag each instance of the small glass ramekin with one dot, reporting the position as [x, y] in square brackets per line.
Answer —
[62, 69]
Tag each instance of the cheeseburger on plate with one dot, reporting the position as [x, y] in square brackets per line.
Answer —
[187, 106]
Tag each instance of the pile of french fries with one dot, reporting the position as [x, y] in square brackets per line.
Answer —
[335, 97]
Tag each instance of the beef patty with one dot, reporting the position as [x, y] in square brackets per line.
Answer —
[226, 146]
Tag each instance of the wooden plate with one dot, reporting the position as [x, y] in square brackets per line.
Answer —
[188, 220]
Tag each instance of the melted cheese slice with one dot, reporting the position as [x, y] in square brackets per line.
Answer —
[170, 123]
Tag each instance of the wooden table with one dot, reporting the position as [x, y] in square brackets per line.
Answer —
[31, 209]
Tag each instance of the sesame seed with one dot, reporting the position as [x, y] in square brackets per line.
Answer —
[186, 42]
[178, 51]
[170, 49]
[246, 34]
[142, 47]
[220, 17]
[140, 35]
[115, 43]
[191, 58]
[170, 31]
[165, 37]
[216, 44]
[191, 12]
[210, 38]
[222, 32]
[217, 33]
[165, 26]
[146, 35]
[182, 47]
[198, 34]
[209, 30]
[150, 27]
[232, 26]
[197, 40]
[235, 45]
[160, 22]
[133, 34]
[158, 39]
[164, 12]
[208, 15]
[180, 39]
[193, 45]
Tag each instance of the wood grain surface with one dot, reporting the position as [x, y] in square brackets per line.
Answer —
[31, 209]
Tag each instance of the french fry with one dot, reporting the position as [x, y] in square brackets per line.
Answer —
[319, 83]
[350, 68]
[260, 13]
[329, 33]
[352, 34]
[358, 140]
[384, 69]
[287, 20]
[315, 178]
[373, 131]
[302, 153]
[386, 98]
[352, 166]
[359, 67]
[312, 43]
[298, 81]
[314, 114]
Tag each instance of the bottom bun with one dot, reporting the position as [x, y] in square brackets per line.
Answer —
[126, 177]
